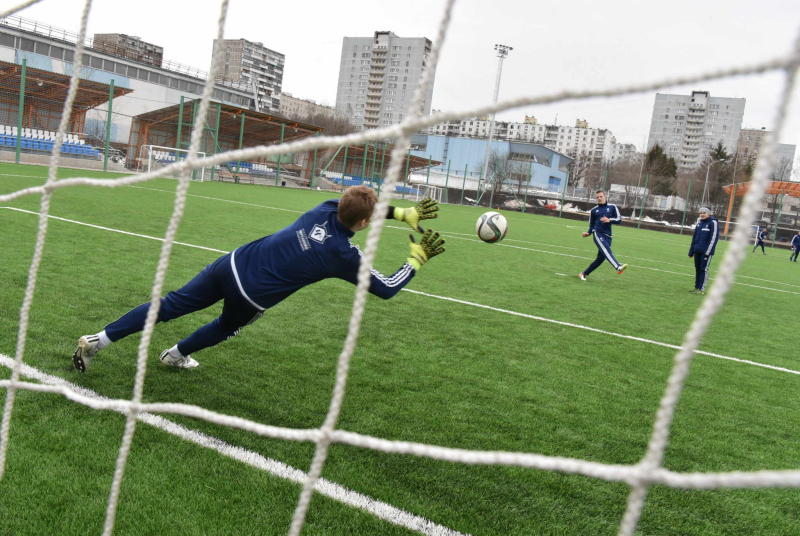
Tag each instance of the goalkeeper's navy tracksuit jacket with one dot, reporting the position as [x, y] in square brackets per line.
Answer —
[601, 233]
[259, 275]
[795, 248]
[702, 248]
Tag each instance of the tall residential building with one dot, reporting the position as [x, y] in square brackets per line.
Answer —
[130, 47]
[578, 141]
[688, 127]
[624, 151]
[378, 76]
[749, 146]
[295, 107]
[257, 65]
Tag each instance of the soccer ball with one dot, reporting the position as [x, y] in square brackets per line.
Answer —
[491, 227]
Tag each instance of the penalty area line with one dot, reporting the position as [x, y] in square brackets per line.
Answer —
[600, 331]
[464, 302]
[325, 487]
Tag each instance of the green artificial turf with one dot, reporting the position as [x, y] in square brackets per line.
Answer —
[450, 364]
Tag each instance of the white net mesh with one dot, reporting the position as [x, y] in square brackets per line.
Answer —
[640, 476]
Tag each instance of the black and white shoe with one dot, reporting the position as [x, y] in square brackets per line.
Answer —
[179, 361]
[86, 350]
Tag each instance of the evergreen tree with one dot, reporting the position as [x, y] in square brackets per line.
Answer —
[662, 170]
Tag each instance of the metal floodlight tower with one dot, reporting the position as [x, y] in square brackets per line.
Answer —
[502, 52]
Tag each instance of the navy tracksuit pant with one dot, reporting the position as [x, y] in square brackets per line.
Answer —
[604, 253]
[701, 264]
[214, 283]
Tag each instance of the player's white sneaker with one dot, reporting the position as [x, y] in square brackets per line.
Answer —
[178, 361]
[87, 348]
[581, 276]
[621, 268]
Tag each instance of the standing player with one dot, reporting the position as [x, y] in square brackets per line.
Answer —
[795, 246]
[704, 243]
[761, 235]
[261, 274]
[600, 220]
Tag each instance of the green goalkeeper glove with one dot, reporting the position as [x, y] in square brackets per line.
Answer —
[424, 210]
[429, 246]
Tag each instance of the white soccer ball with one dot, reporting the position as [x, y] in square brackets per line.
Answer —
[491, 227]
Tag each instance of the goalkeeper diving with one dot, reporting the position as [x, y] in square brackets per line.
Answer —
[262, 273]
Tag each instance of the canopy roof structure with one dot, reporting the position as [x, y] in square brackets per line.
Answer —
[45, 94]
[775, 187]
[227, 127]
[738, 189]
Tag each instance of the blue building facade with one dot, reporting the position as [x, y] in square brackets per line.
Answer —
[533, 164]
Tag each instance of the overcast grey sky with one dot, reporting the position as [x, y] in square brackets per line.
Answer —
[567, 44]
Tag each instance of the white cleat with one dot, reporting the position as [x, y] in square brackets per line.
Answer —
[87, 348]
[184, 362]
[581, 276]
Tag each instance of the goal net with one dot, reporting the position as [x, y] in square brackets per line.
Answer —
[166, 161]
[156, 158]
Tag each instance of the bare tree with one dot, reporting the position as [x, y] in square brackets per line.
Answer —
[626, 173]
[783, 167]
[332, 125]
[586, 172]
[504, 170]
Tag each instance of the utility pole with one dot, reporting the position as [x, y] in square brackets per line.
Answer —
[502, 52]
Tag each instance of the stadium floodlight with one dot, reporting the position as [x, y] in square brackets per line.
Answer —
[502, 52]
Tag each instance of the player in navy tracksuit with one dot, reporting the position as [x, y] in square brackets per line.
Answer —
[600, 220]
[761, 235]
[795, 247]
[259, 275]
[704, 243]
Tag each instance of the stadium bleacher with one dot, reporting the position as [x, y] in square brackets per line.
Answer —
[36, 140]
[353, 180]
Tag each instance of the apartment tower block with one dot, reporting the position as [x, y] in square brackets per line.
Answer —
[378, 76]
[255, 64]
[688, 127]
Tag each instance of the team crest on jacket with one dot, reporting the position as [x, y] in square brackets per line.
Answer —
[319, 233]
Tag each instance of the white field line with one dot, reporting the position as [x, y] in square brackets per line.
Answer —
[601, 331]
[330, 489]
[506, 240]
[448, 233]
[684, 274]
[473, 304]
[456, 235]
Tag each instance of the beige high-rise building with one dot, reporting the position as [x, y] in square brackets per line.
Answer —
[378, 76]
[750, 142]
[257, 65]
[688, 127]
